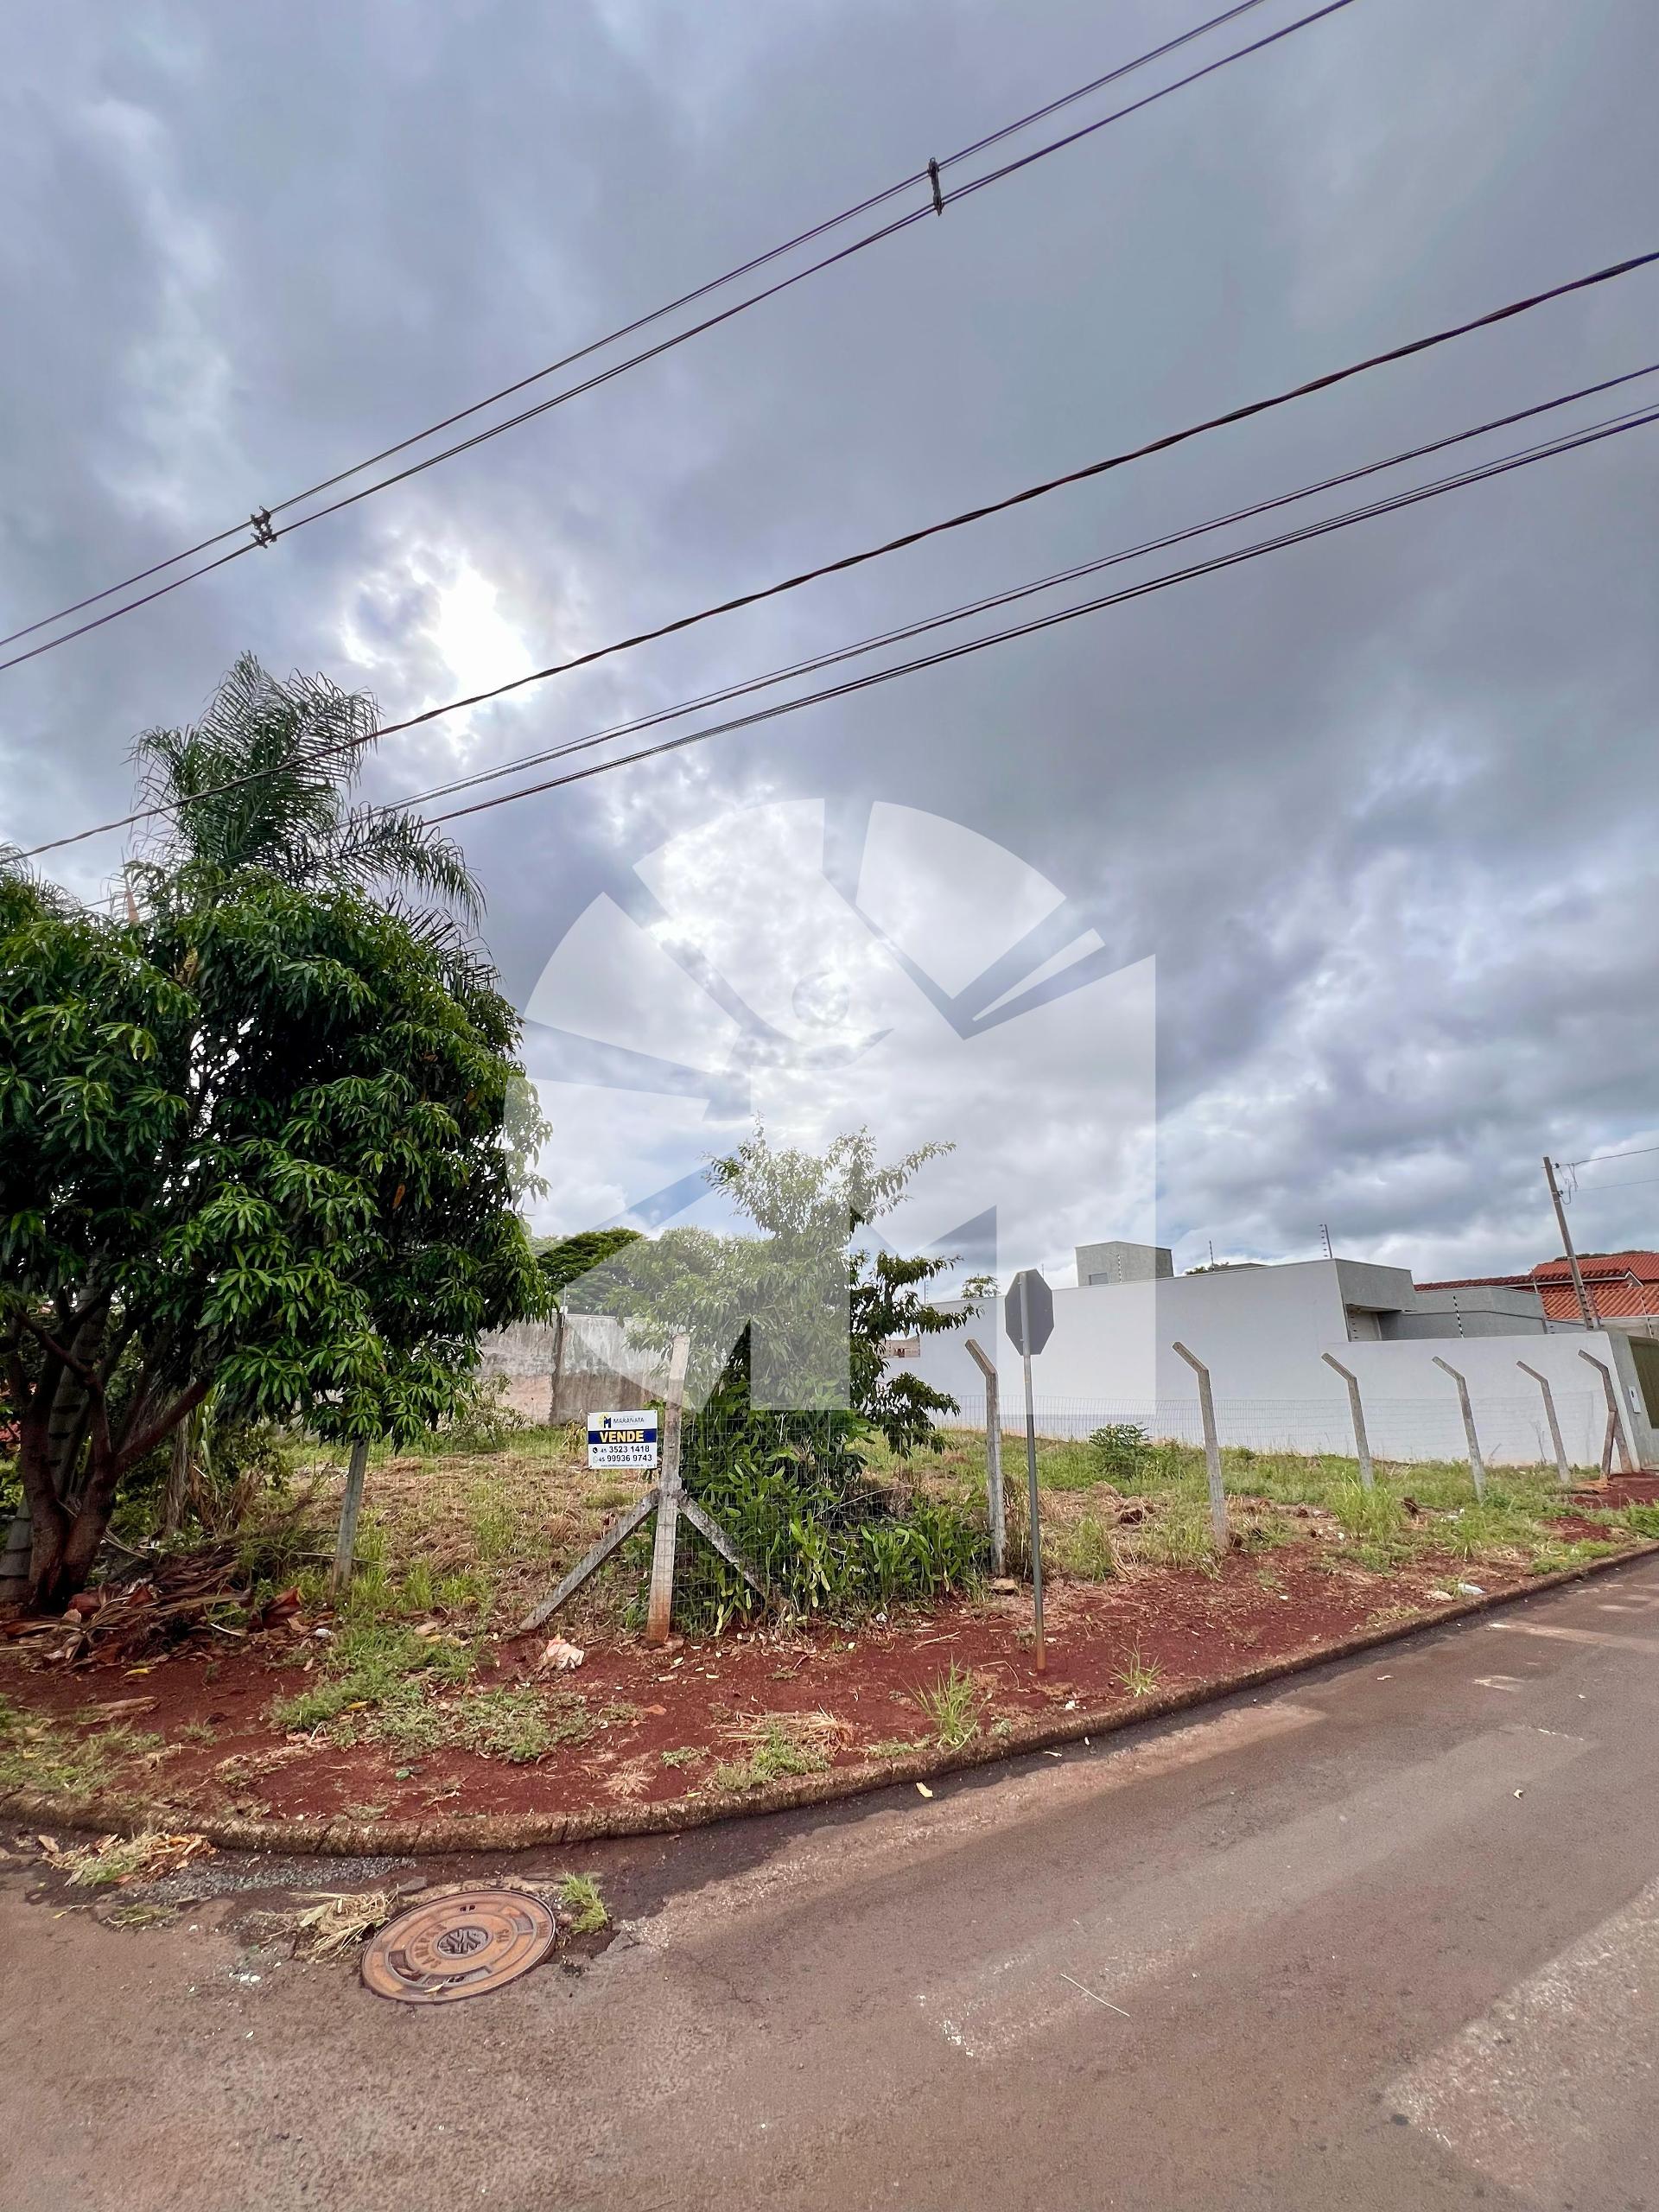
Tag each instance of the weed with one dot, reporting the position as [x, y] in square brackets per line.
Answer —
[496, 1526]
[1121, 1450]
[1085, 1549]
[417, 1593]
[363, 1813]
[1177, 1533]
[196, 1732]
[368, 1664]
[895, 1747]
[684, 1755]
[953, 1706]
[1139, 1677]
[578, 1895]
[505, 1724]
[39, 1755]
[1377, 1521]
[779, 1746]
[462, 1590]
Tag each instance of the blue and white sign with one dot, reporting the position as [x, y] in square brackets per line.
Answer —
[623, 1439]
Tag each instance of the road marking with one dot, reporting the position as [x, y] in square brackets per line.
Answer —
[1562, 2061]
[1500, 1682]
[1151, 1927]
[1611, 1637]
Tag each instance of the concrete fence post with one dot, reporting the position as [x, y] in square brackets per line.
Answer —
[351, 1505]
[1476, 1464]
[1563, 1471]
[1211, 1446]
[660, 1606]
[1362, 1442]
[1615, 1419]
[997, 1511]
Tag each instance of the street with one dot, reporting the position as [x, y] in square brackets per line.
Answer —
[1385, 1936]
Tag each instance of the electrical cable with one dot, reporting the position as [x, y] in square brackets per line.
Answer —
[265, 536]
[845, 562]
[1004, 598]
[1142, 590]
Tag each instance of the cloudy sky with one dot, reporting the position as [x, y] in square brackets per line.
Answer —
[1379, 813]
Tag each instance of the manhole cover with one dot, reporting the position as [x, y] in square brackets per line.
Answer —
[459, 1946]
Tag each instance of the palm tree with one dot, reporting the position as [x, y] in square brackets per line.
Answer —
[263, 781]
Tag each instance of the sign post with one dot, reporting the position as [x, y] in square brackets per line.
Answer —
[1028, 1317]
[629, 1439]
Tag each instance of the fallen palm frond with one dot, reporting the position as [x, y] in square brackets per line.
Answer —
[336, 1919]
[123, 1859]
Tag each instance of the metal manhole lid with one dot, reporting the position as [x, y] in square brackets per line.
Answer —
[459, 1946]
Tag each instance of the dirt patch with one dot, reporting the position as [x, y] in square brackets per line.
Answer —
[639, 1727]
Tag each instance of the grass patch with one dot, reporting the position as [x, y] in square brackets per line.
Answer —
[1085, 1550]
[41, 1755]
[1177, 1533]
[366, 1666]
[895, 1747]
[578, 1895]
[953, 1706]
[684, 1755]
[517, 1723]
[1139, 1677]
[780, 1744]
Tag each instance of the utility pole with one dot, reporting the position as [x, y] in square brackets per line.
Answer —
[1585, 1313]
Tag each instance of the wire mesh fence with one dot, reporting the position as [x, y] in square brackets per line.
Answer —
[1512, 1431]
[828, 1520]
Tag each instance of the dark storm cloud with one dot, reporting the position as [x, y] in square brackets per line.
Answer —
[1382, 806]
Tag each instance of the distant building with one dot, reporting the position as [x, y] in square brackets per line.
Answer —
[1622, 1288]
[1116, 1262]
[1265, 1331]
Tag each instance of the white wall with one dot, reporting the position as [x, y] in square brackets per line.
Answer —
[1262, 1332]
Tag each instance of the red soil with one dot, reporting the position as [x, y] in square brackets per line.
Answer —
[1190, 1628]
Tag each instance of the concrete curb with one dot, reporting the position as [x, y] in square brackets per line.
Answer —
[467, 1831]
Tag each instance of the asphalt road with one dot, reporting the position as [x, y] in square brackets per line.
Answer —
[1389, 1938]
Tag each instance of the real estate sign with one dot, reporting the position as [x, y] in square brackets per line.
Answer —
[622, 1440]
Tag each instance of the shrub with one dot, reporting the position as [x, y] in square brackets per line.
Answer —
[793, 1492]
[1121, 1450]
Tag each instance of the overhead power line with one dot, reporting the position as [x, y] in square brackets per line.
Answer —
[264, 533]
[1635, 1152]
[1395, 503]
[1307, 531]
[916, 537]
[921, 628]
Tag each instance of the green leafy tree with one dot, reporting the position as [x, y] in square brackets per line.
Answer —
[806, 1308]
[563, 1258]
[264, 1139]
